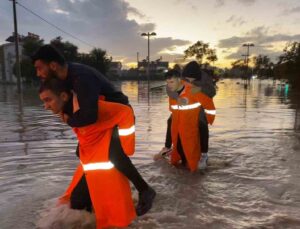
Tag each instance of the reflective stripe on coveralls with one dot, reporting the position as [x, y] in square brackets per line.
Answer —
[109, 189]
[97, 166]
[126, 132]
[185, 126]
[107, 165]
[186, 107]
[192, 106]
[211, 112]
[185, 119]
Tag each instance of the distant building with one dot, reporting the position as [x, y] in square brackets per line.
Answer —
[8, 56]
[157, 67]
[7, 61]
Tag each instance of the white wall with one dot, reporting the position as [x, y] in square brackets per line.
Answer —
[9, 61]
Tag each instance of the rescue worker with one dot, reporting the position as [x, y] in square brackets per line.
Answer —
[185, 107]
[201, 82]
[97, 184]
[89, 84]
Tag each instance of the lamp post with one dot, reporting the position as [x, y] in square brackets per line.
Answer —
[148, 35]
[248, 45]
[245, 58]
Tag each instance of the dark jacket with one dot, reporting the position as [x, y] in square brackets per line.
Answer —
[206, 84]
[89, 84]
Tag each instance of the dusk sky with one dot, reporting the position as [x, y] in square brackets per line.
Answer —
[116, 25]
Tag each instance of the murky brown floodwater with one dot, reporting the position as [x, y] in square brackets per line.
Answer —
[253, 180]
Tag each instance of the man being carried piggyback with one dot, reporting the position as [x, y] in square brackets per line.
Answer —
[88, 84]
[192, 111]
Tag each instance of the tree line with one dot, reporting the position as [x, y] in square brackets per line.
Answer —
[96, 58]
[287, 66]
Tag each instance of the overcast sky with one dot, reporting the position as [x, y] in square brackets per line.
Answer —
[116, 25]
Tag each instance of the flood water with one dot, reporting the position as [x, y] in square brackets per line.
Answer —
[253, 178]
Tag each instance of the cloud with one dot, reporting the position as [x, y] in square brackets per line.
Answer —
[236, 21]
[264, 42]
[232, 42]
[258, 31]
[294, 10]
[111, 30]
[190, 3]
[254, 51]
[59, 11]
[100, 23]
[219, 3]
[259, 36]
[247, 2]
[136, 12]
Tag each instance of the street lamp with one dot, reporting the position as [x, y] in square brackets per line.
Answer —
[248, 45]
[148, 35]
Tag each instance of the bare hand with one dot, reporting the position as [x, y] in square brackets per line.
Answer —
[64, 117]
[75, 103]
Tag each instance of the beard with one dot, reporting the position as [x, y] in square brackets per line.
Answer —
[50, 75]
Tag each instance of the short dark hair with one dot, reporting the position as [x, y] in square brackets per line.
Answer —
[55, 85]
[48, 53]
[172, 73]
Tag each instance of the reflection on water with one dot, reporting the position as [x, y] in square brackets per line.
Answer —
[253, 179]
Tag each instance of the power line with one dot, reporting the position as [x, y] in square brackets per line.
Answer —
[71, 35]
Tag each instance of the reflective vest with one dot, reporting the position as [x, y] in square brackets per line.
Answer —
[109, 189]
[185, 124]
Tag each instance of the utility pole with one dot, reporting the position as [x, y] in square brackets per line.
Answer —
[245, 58]
[248, 45]
[247, 80]
[148, 35]
[16, 38]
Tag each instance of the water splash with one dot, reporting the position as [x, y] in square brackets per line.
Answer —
[62, 217]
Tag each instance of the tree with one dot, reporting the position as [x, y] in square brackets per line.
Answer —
[177, 67]
[201, 52]
[289, 61]
[291, 53]
[100, 60]
[30, 46]
[238, 68]
[238, 64]
[97, 58]
[262, 66]
[68, 49]
[28, 70]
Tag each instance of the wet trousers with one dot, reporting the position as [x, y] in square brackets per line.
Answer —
[203, 128]
[80, 197]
